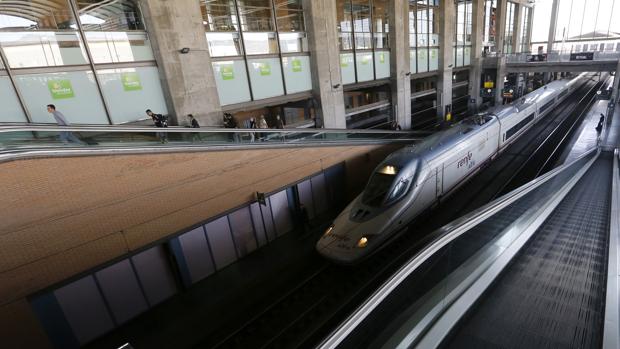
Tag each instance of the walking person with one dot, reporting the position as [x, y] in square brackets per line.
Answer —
[61, 120]
[231, 122]
[262, 123]
[160, 121]
[252, 125]
[599, 127]
[193, 123]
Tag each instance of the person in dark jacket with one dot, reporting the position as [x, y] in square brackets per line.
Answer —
[252, 124]
[279, 123]
[193, 123]
[599, 127]
[231, 122]
[160, 121]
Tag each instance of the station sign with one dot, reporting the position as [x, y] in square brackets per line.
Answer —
[536, 58]
[582, 56]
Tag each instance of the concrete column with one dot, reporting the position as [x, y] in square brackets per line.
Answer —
[500, 33]
[500, 25]
[555, 8]
[322, 25]
[475, 70]
[189, 85]
[552, 24]
[516, 33]
[447, 17]
[616, 85]
[400, 81]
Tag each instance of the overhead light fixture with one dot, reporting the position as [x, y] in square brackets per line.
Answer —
[184, 50]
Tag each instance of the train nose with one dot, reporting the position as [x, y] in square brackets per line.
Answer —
[340, 247]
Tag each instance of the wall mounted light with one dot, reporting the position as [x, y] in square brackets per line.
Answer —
[336, 86]
[184, 50]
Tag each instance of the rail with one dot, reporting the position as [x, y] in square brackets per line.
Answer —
[29, 140]
[611, 331]
[561, 57]
[403, 310]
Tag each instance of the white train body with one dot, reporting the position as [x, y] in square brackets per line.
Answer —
[414, 178]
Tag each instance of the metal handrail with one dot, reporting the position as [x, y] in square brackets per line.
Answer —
[611, 337]
[445, 235]
[180, 129]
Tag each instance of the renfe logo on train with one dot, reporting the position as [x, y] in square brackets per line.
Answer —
[464, 161]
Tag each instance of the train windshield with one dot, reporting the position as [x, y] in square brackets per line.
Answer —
[377, 188]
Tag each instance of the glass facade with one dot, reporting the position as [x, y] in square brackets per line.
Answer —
[259, 48]
[511, 15]
[424, 35]
[583, 22]
[462, 33]
[43, 45]
[363, 36]
[488, 35]
[525, 30]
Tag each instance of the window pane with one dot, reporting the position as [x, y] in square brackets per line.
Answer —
[290, 16]
[75, 94]
[364, 64]
[224, 44]
[219, 15]
[31, 15]
[42, 49]
[381, 23]
[345, 28]
[347, 68]
[382, 64]
[140, 85]
[412, 25]
[297, 73]
[260, 43]
[293, 42]
[113, 47]
[255, 15]
[231, 80]
[266, 77]
[360, 12]
[105, 15]
[12, 111]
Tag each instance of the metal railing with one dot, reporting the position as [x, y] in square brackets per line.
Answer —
[17, 139]
[560, 56]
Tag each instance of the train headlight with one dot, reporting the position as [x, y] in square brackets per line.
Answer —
[329, 230]
[362, 242]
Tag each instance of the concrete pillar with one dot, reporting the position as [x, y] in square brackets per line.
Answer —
[447, 17]
[500, 33]
[400, 82]
[322, 26]
[555, 8]
[616, 85]
[552, 24]
[475, 70]
[516, 33]
[189, 85]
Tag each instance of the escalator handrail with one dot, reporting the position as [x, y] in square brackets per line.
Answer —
[611, 335]
[180, 129]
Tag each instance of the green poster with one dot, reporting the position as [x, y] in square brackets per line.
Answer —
[265, 69]
[381, 57]
[131, 81]
[344, 62]
[296, 65]
[227, 72]
[60, 89]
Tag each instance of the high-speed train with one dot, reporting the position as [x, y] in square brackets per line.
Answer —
[412, 179]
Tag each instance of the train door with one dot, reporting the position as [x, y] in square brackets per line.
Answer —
[439, 180]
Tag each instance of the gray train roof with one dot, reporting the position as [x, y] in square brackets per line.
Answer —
[531, 98]
[435, 145]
